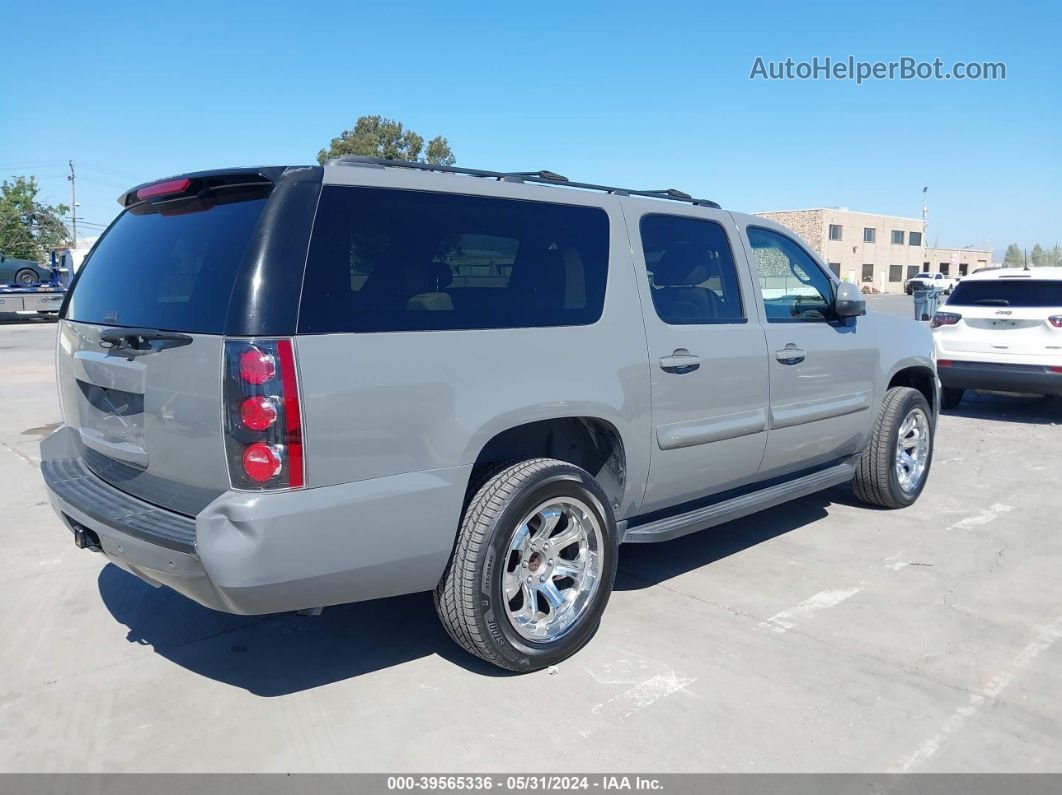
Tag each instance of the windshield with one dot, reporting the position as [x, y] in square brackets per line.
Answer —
[1008, 292]
[170, 266]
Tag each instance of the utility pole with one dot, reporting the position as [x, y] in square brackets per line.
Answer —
[73, 200]
[925, 228]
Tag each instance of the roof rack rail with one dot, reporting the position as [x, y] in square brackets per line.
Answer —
[540, 177]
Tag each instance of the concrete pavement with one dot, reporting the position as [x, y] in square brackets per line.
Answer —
[818, 636]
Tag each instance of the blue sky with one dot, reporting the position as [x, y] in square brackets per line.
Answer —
[638, 94]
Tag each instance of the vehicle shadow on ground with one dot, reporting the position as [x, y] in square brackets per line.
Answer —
[281, 654]
[1024, 409]
[644, 565]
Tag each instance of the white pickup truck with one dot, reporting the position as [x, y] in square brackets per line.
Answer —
[926, 281]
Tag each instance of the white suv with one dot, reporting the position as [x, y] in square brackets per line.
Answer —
[1001, 330]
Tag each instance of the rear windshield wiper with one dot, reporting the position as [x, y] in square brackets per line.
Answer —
[139, 338]
[993, 301]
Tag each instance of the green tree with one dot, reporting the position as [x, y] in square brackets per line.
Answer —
[375, 136]
[1055, 257]
[1014, 256]
[1038, 257]
[28, 228]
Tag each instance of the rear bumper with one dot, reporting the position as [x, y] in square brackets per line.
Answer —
[253, 553]
[1033, 379]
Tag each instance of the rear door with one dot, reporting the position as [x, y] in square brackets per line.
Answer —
[822, 371]
[1006, 318]
[707, 357]
[149, 412]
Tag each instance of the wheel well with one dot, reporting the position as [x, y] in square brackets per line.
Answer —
[920, 378]
[588, 442]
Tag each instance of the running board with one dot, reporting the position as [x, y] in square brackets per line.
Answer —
[711, 515]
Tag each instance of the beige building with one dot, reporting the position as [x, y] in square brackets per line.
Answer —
[876, 250]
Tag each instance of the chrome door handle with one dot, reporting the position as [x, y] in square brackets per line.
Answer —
[681, 361]
[790, 354]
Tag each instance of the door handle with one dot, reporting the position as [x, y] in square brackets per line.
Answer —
[790, 354]
[681, 361]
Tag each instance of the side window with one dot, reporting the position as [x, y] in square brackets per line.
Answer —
[692, 277]
[400, 260]
[794, 288]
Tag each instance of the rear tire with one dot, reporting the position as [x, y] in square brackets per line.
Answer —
[950, 398]
[893, 470]
[514, 543]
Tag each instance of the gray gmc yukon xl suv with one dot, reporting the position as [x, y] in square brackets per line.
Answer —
[286, 388]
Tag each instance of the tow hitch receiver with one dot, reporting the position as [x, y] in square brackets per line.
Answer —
[86, 539]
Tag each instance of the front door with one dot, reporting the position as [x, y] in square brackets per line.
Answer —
[707, 357]
[822, 370]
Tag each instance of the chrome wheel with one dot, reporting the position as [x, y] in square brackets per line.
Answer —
[912, 450]
[553, 568]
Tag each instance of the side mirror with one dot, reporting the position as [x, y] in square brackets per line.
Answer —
[849, 302]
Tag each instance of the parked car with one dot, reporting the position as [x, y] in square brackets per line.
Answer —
[927, 281]
[287, 388]
[1001, 330]
[22, 272]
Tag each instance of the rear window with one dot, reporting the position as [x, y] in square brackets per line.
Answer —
[395, 260]
[1012, 291]
[169, 266]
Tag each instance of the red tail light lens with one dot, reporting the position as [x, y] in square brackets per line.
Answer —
[944, 362]
[263, 415]
[262, 462]
[1055, 320]
[257, 366]
[944, 319]
[258, 413]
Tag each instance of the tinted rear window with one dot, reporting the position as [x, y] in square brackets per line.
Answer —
[170, 266]
[395, 260]
[1008, 292]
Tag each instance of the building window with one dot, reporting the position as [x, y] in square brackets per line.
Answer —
[835, 231]
[896, 273]
[868, 271]
[964, 269]
[945, 267]
[912, 270]
[925, 267]
[836, 268]
[870, 234]
[897, 237]
[914, 238]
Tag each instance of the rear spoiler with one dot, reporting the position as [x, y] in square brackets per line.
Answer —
[197, 182]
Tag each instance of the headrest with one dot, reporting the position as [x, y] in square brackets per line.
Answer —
[681, 266]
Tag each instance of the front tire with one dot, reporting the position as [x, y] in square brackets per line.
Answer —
[893, 470]
[533, 566]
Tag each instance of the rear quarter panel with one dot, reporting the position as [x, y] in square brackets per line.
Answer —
[380, 404]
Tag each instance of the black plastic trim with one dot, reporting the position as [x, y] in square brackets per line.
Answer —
[266, 293]
[723, 496]
[76, 485]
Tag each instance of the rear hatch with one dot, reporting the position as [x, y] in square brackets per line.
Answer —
[1008, 316]
[141, 343]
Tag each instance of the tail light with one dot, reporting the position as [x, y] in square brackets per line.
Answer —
[1055, 320]
[944, 362]
[263, 416]
[944, 319]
